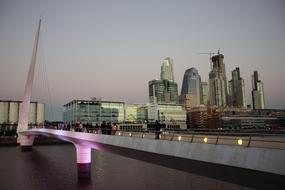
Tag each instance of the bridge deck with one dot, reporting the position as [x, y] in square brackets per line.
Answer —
[218, 149]
[251, 166]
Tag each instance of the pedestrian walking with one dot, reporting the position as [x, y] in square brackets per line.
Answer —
[157, 128]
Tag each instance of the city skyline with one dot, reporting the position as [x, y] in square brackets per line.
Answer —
[88, 53]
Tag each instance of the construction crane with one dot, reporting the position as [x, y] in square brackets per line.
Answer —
[210, 54]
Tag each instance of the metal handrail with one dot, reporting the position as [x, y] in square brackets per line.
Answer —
[194, 135]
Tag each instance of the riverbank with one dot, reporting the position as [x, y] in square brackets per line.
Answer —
[40, 140]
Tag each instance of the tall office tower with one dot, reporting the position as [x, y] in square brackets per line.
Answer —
[204, 93]
[236, 90]
[167, 69]
[218, 82]
[190, 92]
[257, 92]
[163, 91]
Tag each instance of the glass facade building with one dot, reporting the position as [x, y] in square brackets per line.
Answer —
[167, 113]
[94, 112]
[167, 69]
[191, 82]
[163, 91]
[136, 113]
[190, 91]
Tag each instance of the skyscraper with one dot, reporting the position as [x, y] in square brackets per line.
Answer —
[218, 82]
[236, 90]
[204, 93]
[257, 92]
[163, 91]
[190, 92]
[167, 69]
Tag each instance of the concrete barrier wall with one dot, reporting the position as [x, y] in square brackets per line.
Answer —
[261, 159]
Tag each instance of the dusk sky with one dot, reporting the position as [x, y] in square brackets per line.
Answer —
[112, 48]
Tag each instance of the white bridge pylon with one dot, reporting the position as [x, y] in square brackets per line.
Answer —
[26, 140]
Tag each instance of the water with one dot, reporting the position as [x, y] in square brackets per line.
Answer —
[54, 167]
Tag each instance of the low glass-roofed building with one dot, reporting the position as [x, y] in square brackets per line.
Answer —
[93, 111]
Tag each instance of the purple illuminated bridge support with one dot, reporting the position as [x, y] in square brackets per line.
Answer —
[26, 142]
[83, 156]
[82, 146]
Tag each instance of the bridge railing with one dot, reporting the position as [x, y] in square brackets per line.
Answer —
[256, 138]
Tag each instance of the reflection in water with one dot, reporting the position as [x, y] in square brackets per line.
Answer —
[54, 167]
